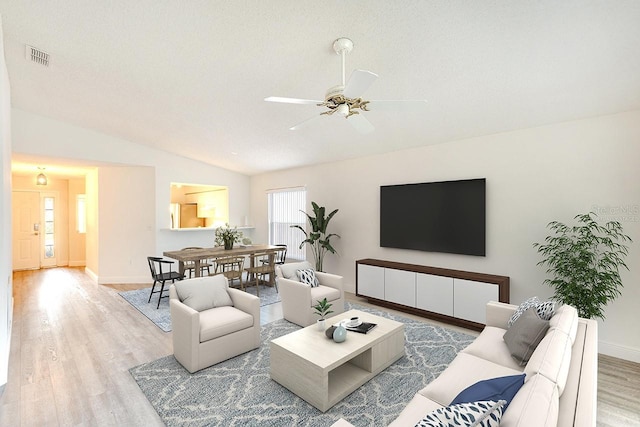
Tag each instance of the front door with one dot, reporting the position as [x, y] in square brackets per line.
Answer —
[26, 230]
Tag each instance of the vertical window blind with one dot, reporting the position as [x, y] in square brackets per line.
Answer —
[285, 209]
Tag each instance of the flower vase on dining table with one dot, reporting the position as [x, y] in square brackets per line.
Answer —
[228, 244]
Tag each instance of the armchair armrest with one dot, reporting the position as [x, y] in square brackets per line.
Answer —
[499, 313]
[246, 302]
[331, 280]
[295, 293]
[185, 325]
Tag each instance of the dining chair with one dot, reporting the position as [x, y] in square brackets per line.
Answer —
[190, 266]
[232, 268]
[261, 264]
[161, 272]
[280, 255]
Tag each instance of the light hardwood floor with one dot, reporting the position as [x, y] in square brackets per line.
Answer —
[73, 342]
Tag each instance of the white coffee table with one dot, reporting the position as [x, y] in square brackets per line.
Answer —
[324, 372]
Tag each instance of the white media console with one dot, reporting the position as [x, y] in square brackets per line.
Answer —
[452, 296]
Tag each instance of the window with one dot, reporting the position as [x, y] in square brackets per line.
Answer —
[81, 213]
[285, 210]
[49, 216]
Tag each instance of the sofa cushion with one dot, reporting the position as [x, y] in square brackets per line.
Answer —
[222, 321]
[203, 293]
[415, 411]
[321, 292]
[486, 413]
[308, 277]
[490, 346]
[552, 358]
[288, 270]
[535, 404]
[545, 309]
[525, 334]
[496, 389]
[464, 371]
[565, 319]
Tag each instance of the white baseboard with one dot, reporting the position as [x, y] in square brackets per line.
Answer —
[620, 351]
[77, 263]
[91, 274]
[103, 280]
[108, 280]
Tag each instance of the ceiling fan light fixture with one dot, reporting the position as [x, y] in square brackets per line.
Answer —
[343, 110]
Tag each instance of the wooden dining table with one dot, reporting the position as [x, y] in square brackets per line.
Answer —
[199, 255]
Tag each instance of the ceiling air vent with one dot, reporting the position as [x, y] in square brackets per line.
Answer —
[36, 55]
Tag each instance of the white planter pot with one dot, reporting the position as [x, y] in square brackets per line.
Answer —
[321, 324]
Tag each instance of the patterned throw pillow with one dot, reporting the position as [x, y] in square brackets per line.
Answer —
[486, 413]
[308, 277]
[545, 309]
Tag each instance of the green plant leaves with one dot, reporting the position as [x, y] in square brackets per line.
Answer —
[317, 238]
[584, 261]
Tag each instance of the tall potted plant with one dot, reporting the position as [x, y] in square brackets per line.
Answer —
[318, 238]
[584, 261]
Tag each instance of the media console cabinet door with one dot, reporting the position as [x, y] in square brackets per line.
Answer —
[434, 293]
[471, 298]
[400, 286]
[371, 281]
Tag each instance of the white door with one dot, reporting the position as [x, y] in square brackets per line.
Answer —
[26, 230]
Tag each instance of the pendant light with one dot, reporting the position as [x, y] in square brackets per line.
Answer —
[41, 179]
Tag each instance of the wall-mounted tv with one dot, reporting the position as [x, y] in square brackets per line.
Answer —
[446, 216]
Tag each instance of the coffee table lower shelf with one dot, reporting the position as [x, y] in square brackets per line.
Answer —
[323, 372]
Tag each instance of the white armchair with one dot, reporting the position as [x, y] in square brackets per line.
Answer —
[298, 298]
[211, 335]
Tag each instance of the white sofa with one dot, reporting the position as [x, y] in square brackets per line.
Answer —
[298, 299]
[561, 375]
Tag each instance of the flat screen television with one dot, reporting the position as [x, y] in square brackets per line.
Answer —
[446, 216]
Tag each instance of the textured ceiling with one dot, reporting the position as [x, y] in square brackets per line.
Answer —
[190, 76]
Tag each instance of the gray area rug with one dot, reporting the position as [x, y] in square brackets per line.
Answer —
[161, 316]
[239, 391]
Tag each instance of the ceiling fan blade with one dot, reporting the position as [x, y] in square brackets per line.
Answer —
[359, 81]
[292, 100]
[401, 105]
[305, 123]
[360, 123]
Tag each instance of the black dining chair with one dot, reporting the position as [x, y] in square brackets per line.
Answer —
[280, 255]
[161, 272]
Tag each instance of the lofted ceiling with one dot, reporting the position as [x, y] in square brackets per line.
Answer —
[190, 77]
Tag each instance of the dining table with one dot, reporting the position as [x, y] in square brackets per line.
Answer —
[199, 255]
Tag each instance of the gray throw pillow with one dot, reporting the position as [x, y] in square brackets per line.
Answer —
[525, 334]
[203, 293]
[289, 270]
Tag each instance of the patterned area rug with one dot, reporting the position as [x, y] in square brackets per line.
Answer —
[161, 316]
[239, 391]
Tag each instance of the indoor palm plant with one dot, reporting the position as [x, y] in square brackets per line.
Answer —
[584, 261]
[227, 236]
[318, 238]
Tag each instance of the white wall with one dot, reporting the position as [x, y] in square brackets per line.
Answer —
[533, 176]
[41, 136]
[6, 288]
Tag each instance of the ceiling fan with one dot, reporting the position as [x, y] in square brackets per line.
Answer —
[345, 99]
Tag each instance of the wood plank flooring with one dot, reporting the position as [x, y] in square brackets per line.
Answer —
[73, 342]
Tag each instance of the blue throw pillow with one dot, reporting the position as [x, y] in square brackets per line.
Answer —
[501, 388]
